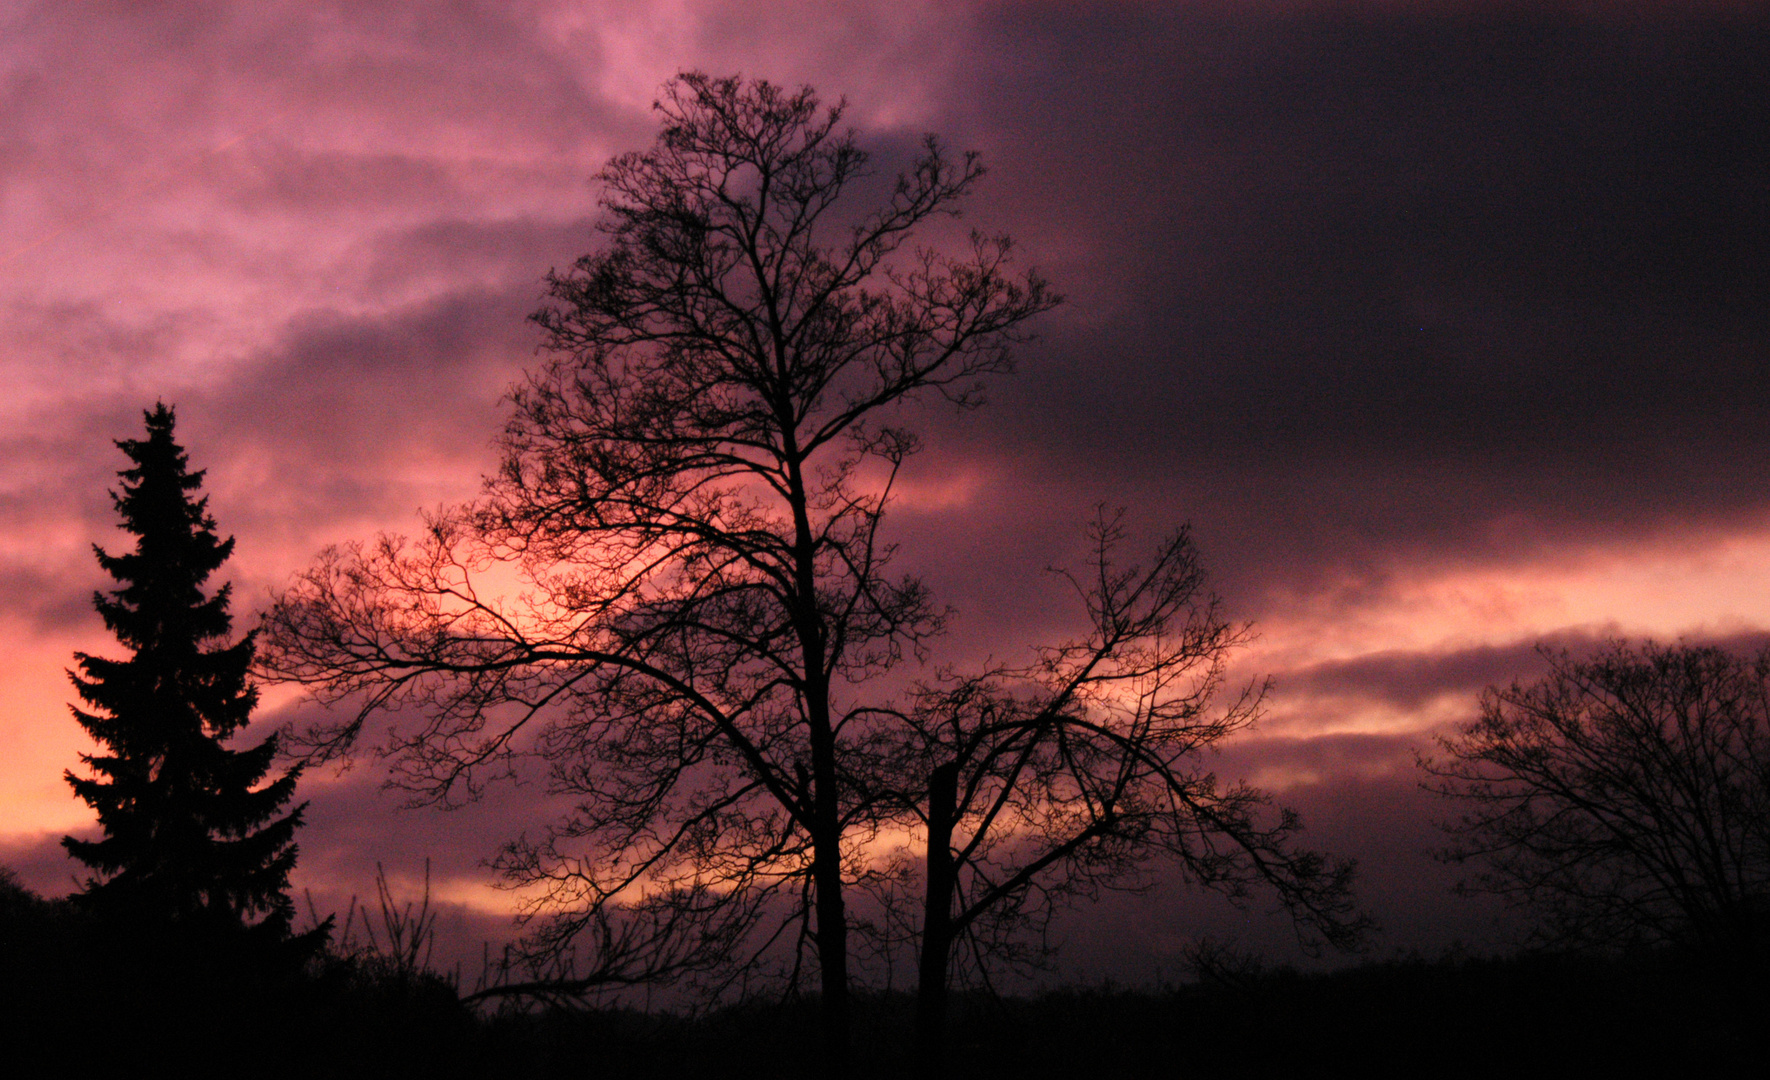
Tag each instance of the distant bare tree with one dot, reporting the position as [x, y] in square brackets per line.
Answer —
[674, 583]
[1075, 774]
[1625, 798]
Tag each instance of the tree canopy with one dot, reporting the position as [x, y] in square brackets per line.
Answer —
[691, 495]
[1623, 797]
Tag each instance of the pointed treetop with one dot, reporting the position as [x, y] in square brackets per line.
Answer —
[176, 548]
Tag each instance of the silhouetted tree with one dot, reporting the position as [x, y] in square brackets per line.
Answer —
[690, 499]
[190, 840]
[1624, 797]
[1074, 774]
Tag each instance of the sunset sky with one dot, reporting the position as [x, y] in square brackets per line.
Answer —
[1445, 324]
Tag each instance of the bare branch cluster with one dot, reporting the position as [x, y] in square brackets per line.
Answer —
[1035, 786]
[1624, 797]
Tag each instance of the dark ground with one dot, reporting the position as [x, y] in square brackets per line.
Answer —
[77, 998]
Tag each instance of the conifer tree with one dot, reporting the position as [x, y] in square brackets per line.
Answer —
[190, 839]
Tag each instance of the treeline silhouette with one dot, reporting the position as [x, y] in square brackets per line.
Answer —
[89, 991]
[84, 995]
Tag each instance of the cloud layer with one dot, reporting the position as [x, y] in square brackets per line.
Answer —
[1443, 323]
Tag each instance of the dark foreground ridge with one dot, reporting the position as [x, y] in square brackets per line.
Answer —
[81, 996]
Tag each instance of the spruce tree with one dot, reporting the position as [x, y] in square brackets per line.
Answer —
[191, 842]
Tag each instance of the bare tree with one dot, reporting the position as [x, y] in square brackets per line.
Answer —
[1624, 797]
[673, 583]
[1058, 780]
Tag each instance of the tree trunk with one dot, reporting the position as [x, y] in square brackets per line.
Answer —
[826, 874]
[832, 956]
[937, 923]
[826, 809]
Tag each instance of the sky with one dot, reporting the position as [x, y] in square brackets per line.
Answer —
[1442, 323]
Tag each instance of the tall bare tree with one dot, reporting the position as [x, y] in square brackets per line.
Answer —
[677, 576]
